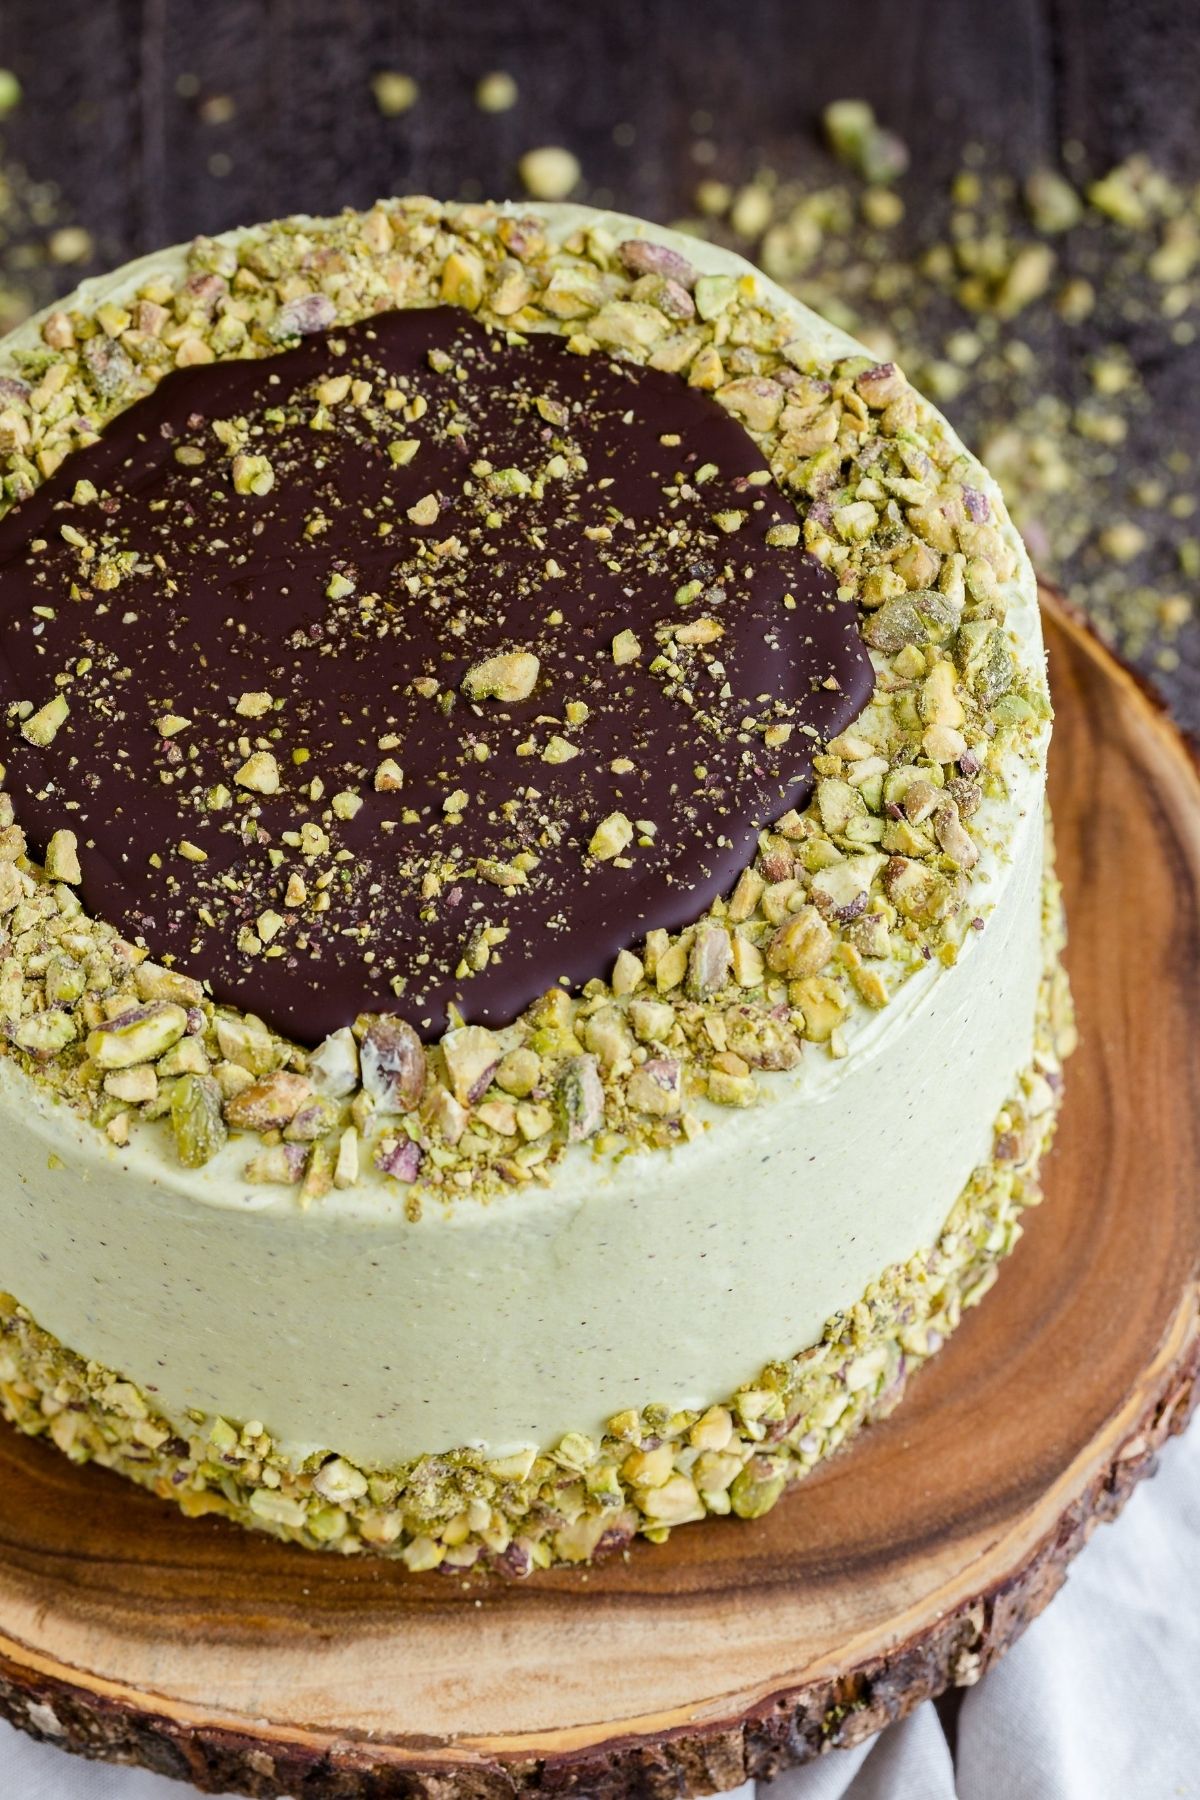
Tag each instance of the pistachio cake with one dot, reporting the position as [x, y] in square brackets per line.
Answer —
[528, 973]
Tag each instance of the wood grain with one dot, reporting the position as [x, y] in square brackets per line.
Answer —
[737, 1649]
[157, 120]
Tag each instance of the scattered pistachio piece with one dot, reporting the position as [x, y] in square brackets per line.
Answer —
[511, 676]
[62, 858]
[259, 773]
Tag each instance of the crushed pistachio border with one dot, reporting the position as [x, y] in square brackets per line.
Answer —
[844, 900]
[649, 1472]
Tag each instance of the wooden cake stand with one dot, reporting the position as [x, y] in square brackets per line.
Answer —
[910, 1563]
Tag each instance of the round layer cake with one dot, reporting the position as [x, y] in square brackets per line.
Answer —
[529, 981]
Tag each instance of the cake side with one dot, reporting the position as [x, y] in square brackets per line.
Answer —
[666, 1277]
[611, 1267]
[584, 1496]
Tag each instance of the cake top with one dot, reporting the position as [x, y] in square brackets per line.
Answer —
[805, 598]
[419, 664]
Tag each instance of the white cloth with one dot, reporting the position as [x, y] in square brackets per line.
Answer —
[1100, 1700]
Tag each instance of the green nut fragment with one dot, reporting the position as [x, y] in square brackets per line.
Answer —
[755, 400]
[45, 1034]
[856, 521]
[139, 1035]
[153, 982]
[510, 676]
[246, 1042]
[1052, 202]
[580, 1096]
[726, 1089]
[519, 1072]
[710, 960]
[839, 805]
[463, 278]
[62, 858]
[339, 1481]
[1014, 709]
[985, 660]
[196, 1120]
[714, 293]
[755, 1491]
[675, 1502]
[802, 945]
[628, 325]
[613, 835]
[856, 137]
[259, 773]
[471, 1053]
[922, 617]
[66, 981]
[277, 1508]
[252, 475]
[42, 727]
[269, 1104]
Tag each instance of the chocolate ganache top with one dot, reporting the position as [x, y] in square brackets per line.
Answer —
[413, 665]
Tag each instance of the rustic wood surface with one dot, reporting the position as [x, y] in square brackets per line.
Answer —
[905, 1566]
[156, 119]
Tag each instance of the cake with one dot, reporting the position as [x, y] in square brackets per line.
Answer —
[529, 972]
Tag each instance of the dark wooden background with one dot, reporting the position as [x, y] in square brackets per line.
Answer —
[104, 118]
[160, 118]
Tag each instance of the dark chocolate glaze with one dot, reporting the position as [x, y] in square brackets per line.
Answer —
[222, 594]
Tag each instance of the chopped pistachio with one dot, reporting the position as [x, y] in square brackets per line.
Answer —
[62, 858]
[43, 726]
[253, 705]
[613, 835]
[138, 1035]
[510, 676]
[259, 773]
[252, 474]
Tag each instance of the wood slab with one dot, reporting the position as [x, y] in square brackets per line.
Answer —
[737, 1649]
